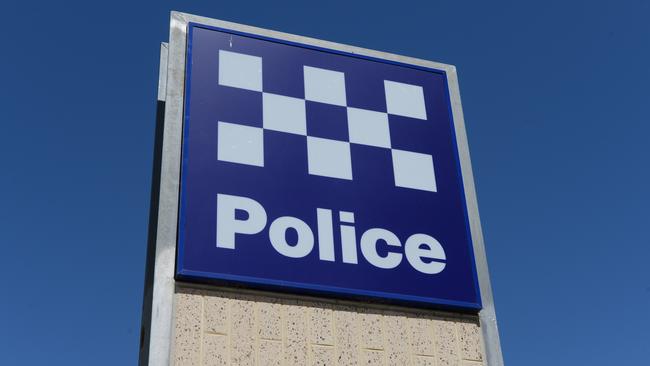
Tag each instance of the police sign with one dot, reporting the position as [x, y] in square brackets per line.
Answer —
[314, 170]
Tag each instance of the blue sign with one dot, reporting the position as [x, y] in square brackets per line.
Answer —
[312, 170]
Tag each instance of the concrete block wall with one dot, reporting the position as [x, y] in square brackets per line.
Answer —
[225, 327]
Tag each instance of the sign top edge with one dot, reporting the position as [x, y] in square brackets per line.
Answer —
[185, 18]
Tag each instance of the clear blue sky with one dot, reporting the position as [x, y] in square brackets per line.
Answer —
[557, 103]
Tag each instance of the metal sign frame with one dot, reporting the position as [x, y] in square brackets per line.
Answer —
[157, 338]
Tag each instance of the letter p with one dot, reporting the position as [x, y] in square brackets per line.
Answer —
[228, 225]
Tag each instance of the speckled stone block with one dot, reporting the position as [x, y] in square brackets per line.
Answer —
[320, 326]
[347, 335]
[322, 356]
[444, 332]
[188, 330]
[215, 350]
[216, 315]
[296, 344]
[424, 361]
[398, 337]
[371, 328]
[371, 357]
[448, 361]
[243, 334]
[269, 317]
[469, 339]
[422, 339]
[270, 353]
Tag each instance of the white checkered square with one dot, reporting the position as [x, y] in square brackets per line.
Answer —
[329, 158]
[325, 86]
[240, 144]
[240, 71]
[284, 114]
[414, 170]
[405, 100]
[368, 127]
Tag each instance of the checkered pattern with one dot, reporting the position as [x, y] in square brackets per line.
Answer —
[326, 156]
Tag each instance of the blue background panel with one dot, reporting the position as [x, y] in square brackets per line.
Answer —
[284, 187]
